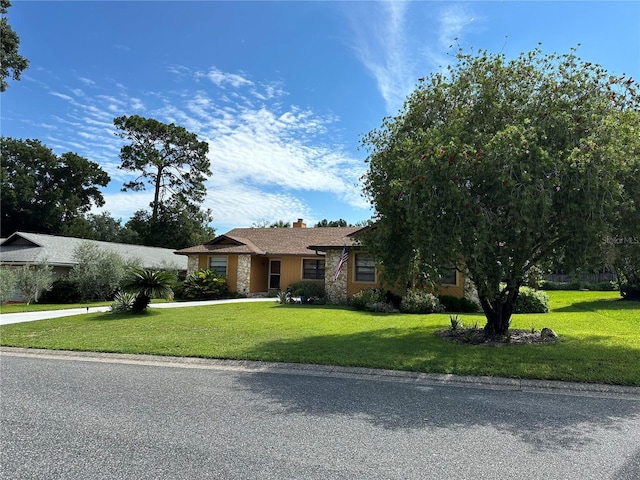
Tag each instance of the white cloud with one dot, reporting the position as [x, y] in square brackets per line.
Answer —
[381, 46]
[62, 96]
[124, 204]
[266, 156]
[241, 205]
[387, 35]
[221, 79]
[452, 22]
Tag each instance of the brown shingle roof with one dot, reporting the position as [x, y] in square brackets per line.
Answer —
[276, 241]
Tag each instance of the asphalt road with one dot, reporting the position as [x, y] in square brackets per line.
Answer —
[114, 417]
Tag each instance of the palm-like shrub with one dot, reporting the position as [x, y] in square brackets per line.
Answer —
[148, 284]
[123, 302]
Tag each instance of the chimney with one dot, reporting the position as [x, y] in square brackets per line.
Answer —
[299, 224]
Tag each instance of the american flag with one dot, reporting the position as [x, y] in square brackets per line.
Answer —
[343, 259]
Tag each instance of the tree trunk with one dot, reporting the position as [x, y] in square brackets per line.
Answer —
[141, 303]
[156, 195]
[498, 313]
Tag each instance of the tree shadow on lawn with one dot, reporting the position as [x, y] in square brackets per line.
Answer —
[110, 316]
[545, 421]
[600, 304]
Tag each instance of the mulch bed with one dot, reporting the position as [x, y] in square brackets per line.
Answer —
[477, 336]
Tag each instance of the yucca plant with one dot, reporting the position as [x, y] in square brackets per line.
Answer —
[148, 284]
[123, 302]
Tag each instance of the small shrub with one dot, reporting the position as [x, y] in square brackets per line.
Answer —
[603, 286]
[63, 290]
[147, 284]
[204, 285]
[599, 287]
[307, 289]
[630, 291]
[284, 297]
[548, 285]
[456, 322]
[123, 302]
[367, 299]
[459, 305]
[34, 280]
[531, 301]
[8, 284]
[420, 301]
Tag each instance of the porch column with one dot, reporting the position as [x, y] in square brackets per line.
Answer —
[336, 289]
[244, 274]
[192, 263]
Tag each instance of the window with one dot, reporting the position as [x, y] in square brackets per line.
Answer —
[312, 269]
[218, 265]
[448, 276]
[365, 268]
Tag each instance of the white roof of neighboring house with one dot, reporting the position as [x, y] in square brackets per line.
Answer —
[31, 248]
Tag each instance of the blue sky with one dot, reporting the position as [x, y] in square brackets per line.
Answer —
[282, 91]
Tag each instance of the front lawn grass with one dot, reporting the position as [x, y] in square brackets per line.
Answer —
[599, 338]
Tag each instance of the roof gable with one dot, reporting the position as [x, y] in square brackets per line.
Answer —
[276, 241]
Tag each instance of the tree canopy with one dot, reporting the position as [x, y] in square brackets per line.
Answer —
[41, 191]
[496, 165]
[177, 226]
[11, 62]
[166, 156]
[331, 223]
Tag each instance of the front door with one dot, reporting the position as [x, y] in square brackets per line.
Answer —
[274, 274]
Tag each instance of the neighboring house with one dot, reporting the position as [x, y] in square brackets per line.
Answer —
[258, 261]
[33, 248]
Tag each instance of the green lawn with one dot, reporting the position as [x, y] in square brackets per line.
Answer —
[599, 338]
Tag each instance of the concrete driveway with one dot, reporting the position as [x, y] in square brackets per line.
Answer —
[9, 318]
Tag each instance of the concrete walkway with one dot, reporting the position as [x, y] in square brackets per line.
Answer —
[9, 318]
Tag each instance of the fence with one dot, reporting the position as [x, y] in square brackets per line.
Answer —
[584, 278]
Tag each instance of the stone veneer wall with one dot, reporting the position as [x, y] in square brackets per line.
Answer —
[192, 263]
[470, 290]
[244, 274]
[336, 290]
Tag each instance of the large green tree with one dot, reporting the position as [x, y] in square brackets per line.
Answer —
[177, 226]
[166, 156]
[41, 191]
[622, 245]
[101, 226]
[497, 165]
[11, 62]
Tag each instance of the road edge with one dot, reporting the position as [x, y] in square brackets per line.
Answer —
[253, 366]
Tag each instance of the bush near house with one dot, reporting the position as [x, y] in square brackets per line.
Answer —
[307, 289]
[370, 299]
[63, 290]
[420, 301]
[203, 284]
[8, 284]
[531, 301]
[458, 305]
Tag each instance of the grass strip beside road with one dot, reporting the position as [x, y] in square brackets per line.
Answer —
[599, 338]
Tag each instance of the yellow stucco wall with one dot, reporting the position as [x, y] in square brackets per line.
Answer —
[456, 290]
[291, 271]
[259, 275]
